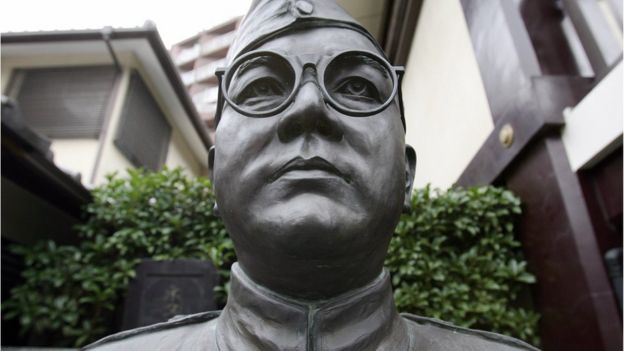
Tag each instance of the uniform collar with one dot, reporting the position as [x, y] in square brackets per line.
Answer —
[256, 318]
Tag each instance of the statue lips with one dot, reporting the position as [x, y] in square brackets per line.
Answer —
[314, 166]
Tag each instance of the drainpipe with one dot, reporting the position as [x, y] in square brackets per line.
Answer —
[106, 36]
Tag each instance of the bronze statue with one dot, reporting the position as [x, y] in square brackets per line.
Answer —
[311, 173]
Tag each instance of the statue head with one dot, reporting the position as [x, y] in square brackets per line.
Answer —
[310, 166]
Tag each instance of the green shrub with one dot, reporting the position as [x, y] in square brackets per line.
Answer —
[454, 257]
[70, 292]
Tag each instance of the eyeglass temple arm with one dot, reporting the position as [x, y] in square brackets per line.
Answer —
[400, 72]
[219, 73]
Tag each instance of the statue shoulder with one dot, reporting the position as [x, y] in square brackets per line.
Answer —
[179, 333]
[434, 334]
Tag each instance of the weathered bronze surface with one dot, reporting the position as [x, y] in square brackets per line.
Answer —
[311, 173]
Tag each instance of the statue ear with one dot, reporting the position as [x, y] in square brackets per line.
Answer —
[410, 171]
[211, 156]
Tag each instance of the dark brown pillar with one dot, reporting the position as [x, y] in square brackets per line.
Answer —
[573, 291]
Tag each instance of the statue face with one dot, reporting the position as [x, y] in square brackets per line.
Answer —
[310, 183]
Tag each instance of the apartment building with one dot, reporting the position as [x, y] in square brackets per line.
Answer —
[197, 58]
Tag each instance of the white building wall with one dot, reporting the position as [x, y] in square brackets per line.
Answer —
[52, 60]
[79, 155]
[111, 159]
[179, 155]
[447, 113]
[4, 81]
[593, 128]
[75, 155]
[56, 59]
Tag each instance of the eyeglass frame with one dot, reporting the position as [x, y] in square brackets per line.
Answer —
[320, 64]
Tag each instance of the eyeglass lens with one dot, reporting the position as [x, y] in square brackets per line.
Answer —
[358, 82]
[354, 81]
[261, 83]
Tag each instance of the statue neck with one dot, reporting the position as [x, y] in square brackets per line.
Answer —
[309, 279]
[255, 318]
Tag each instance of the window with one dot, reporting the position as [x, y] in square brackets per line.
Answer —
[64, 102]
[143, 133]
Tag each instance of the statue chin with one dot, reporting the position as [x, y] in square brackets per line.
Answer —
[308, 226]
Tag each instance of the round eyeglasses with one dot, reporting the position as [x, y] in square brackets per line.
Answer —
[263, 83]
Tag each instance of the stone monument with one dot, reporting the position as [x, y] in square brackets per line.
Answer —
[311, 173]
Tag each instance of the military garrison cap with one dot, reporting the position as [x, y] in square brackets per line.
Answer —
[267, 19]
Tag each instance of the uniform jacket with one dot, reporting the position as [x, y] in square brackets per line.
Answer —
[256, 318]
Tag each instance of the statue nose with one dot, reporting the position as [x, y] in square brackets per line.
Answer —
[309, 114]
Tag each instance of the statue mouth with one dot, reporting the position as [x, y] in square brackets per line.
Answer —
[315, 167]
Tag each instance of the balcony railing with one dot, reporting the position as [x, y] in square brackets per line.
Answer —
[202, 73]
[206, 96]
[217, 43]
[207, 71]
[188, 78]
[207, 108]
[187, 55]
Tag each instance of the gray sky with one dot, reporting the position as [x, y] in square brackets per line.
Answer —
[176, 20]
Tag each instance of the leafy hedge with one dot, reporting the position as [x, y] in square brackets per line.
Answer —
[453, 257]
[70, 292]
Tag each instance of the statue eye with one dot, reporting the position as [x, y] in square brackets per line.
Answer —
[358, 88]
[261, 90]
